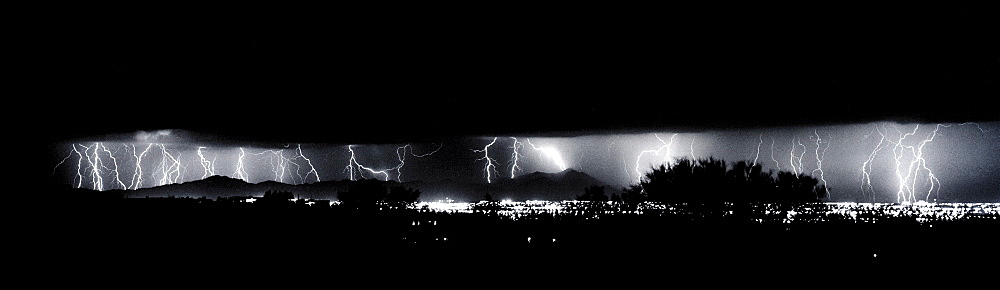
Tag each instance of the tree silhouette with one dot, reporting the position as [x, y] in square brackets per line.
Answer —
[711, 180]
[276, 197]
[363, 193]
[633, 195]
[593, 193]
[402, 196]
[370, 193]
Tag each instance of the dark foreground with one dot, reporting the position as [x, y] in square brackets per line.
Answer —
[163, 240]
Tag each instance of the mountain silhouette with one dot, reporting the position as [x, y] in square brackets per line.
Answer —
[566, 176]
[564, 185]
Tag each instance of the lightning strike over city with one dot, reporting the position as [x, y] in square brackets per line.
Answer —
[902, 163]
[497, 142]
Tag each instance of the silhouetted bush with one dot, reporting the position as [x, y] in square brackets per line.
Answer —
[276, 197]
[711, 180]
[363, 193]
[402, 196]
[366, 193]
[633, 195]
[593, 193]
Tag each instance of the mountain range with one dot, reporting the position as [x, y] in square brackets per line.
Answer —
[565, 185]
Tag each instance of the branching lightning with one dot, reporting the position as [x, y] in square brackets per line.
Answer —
[354, 166]
[137, 175]
[490, 166]
[279, 164]
[908, 158]
[115, 162]
[866, 167]
[241, 172]
[94, 166]
[819, 160]
[312, 169]
[666, 146]
[105, 166]
[170, 166]
[898, 150]
[70, 154]
[515, 156]
[792, 159]
[209, 166]
[401, 155]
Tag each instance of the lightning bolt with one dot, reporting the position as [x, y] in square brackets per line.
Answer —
[693, 157]
[279, 164]
[137, 175]
[353, 165]
[550, 153]
[666, 146]
[919, 159]
[866, 167]
[918, 162]
[170, 166]
[777, 165]
[115, 162]
[898, 150]
[514, 157]
[489, 161]
[401, 155]
[312, 169]
[241, 172]
[94, 166]
[209, 166]
[792, 158]
[760, 139]
[79, 167]
[819, 160]
[756, 156]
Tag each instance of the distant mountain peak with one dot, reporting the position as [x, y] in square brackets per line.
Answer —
[218, 179]
[569, 173]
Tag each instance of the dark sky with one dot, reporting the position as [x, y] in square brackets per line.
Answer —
[387, 74]
[403, 73]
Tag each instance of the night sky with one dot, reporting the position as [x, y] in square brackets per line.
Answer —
[595, 82]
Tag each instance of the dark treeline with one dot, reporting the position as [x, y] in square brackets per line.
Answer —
[368, 193]
[712, 180]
